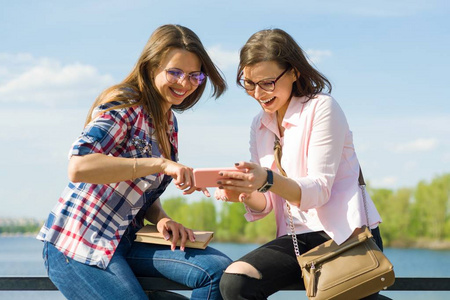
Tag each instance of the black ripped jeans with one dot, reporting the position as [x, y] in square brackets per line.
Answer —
[278, 267]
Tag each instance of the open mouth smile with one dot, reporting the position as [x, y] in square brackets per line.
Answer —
[178, 92]
[266, 101]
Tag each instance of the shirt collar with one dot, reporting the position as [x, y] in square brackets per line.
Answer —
[294, 111]
[292, 116]
[269, 120]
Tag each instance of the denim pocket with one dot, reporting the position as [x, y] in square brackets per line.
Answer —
[45, 256]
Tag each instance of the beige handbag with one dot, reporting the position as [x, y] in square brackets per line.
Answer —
[353, 270]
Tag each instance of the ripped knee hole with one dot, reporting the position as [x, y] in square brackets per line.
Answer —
[243, 268]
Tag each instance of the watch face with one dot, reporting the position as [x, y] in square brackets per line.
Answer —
[265, 188]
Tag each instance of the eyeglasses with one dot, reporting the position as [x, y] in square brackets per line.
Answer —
[267, 85]
[173, 75]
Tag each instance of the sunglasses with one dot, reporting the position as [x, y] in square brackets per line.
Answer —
[174, 75]
[267, 85]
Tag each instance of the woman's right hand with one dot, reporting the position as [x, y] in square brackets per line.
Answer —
[183, 177]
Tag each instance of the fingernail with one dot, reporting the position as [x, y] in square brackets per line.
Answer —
[219, 182]
[166, 237]
[221, 187]
[236, 164]
[221, 174]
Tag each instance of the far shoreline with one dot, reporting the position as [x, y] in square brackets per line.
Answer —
[419, 244]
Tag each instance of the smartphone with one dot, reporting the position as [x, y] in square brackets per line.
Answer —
[208, 177]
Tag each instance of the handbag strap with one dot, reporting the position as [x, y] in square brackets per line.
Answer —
[277, 155]
[278, 152]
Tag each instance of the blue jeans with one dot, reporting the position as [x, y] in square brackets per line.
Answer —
[200, 270]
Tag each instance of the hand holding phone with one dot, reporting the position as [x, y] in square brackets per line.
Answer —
[208, 177]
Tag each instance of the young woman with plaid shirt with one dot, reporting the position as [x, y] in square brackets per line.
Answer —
[119, 166]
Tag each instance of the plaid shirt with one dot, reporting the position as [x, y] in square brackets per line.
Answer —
[89, 220]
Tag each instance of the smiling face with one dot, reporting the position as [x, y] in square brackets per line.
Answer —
[175, 93]
[278, 99]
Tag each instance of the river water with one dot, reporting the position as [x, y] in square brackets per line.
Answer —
[21, 256]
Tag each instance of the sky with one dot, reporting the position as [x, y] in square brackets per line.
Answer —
[387, 60]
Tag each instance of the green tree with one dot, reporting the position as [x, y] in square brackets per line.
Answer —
[394, 208]
[202, 215]
[408, 215]
[261, 231]
[440, 187]
[232, 222]
[382, 199]
[431, 207]
[178, 209]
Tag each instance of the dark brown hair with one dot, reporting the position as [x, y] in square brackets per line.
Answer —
[278, 46]
[138, 87]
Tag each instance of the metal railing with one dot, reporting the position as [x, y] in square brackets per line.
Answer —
[154, 283]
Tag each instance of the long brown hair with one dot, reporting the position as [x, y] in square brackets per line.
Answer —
[278, 46]
[138, 87]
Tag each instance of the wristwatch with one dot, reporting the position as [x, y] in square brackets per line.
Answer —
[269, 182]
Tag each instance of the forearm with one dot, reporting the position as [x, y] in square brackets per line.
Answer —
[102, 169]
[255, 201]
[287, 189]
[155, 212]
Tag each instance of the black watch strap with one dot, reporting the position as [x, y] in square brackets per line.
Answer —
[269, 182]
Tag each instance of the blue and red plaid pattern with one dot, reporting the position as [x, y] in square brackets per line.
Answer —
[89, 219]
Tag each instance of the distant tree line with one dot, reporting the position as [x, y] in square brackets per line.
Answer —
[19, 226]
[225, 219]
[410, 215]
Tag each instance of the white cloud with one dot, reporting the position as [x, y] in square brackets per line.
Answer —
[419, 145]
[224, 58]
[47, 82]
[315, 56]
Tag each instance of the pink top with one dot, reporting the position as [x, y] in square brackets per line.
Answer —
[318, 153]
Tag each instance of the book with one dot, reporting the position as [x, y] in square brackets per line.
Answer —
[149, 234]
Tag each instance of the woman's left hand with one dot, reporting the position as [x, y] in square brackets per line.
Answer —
[169, 227]
[253, 177]
[227, 195]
